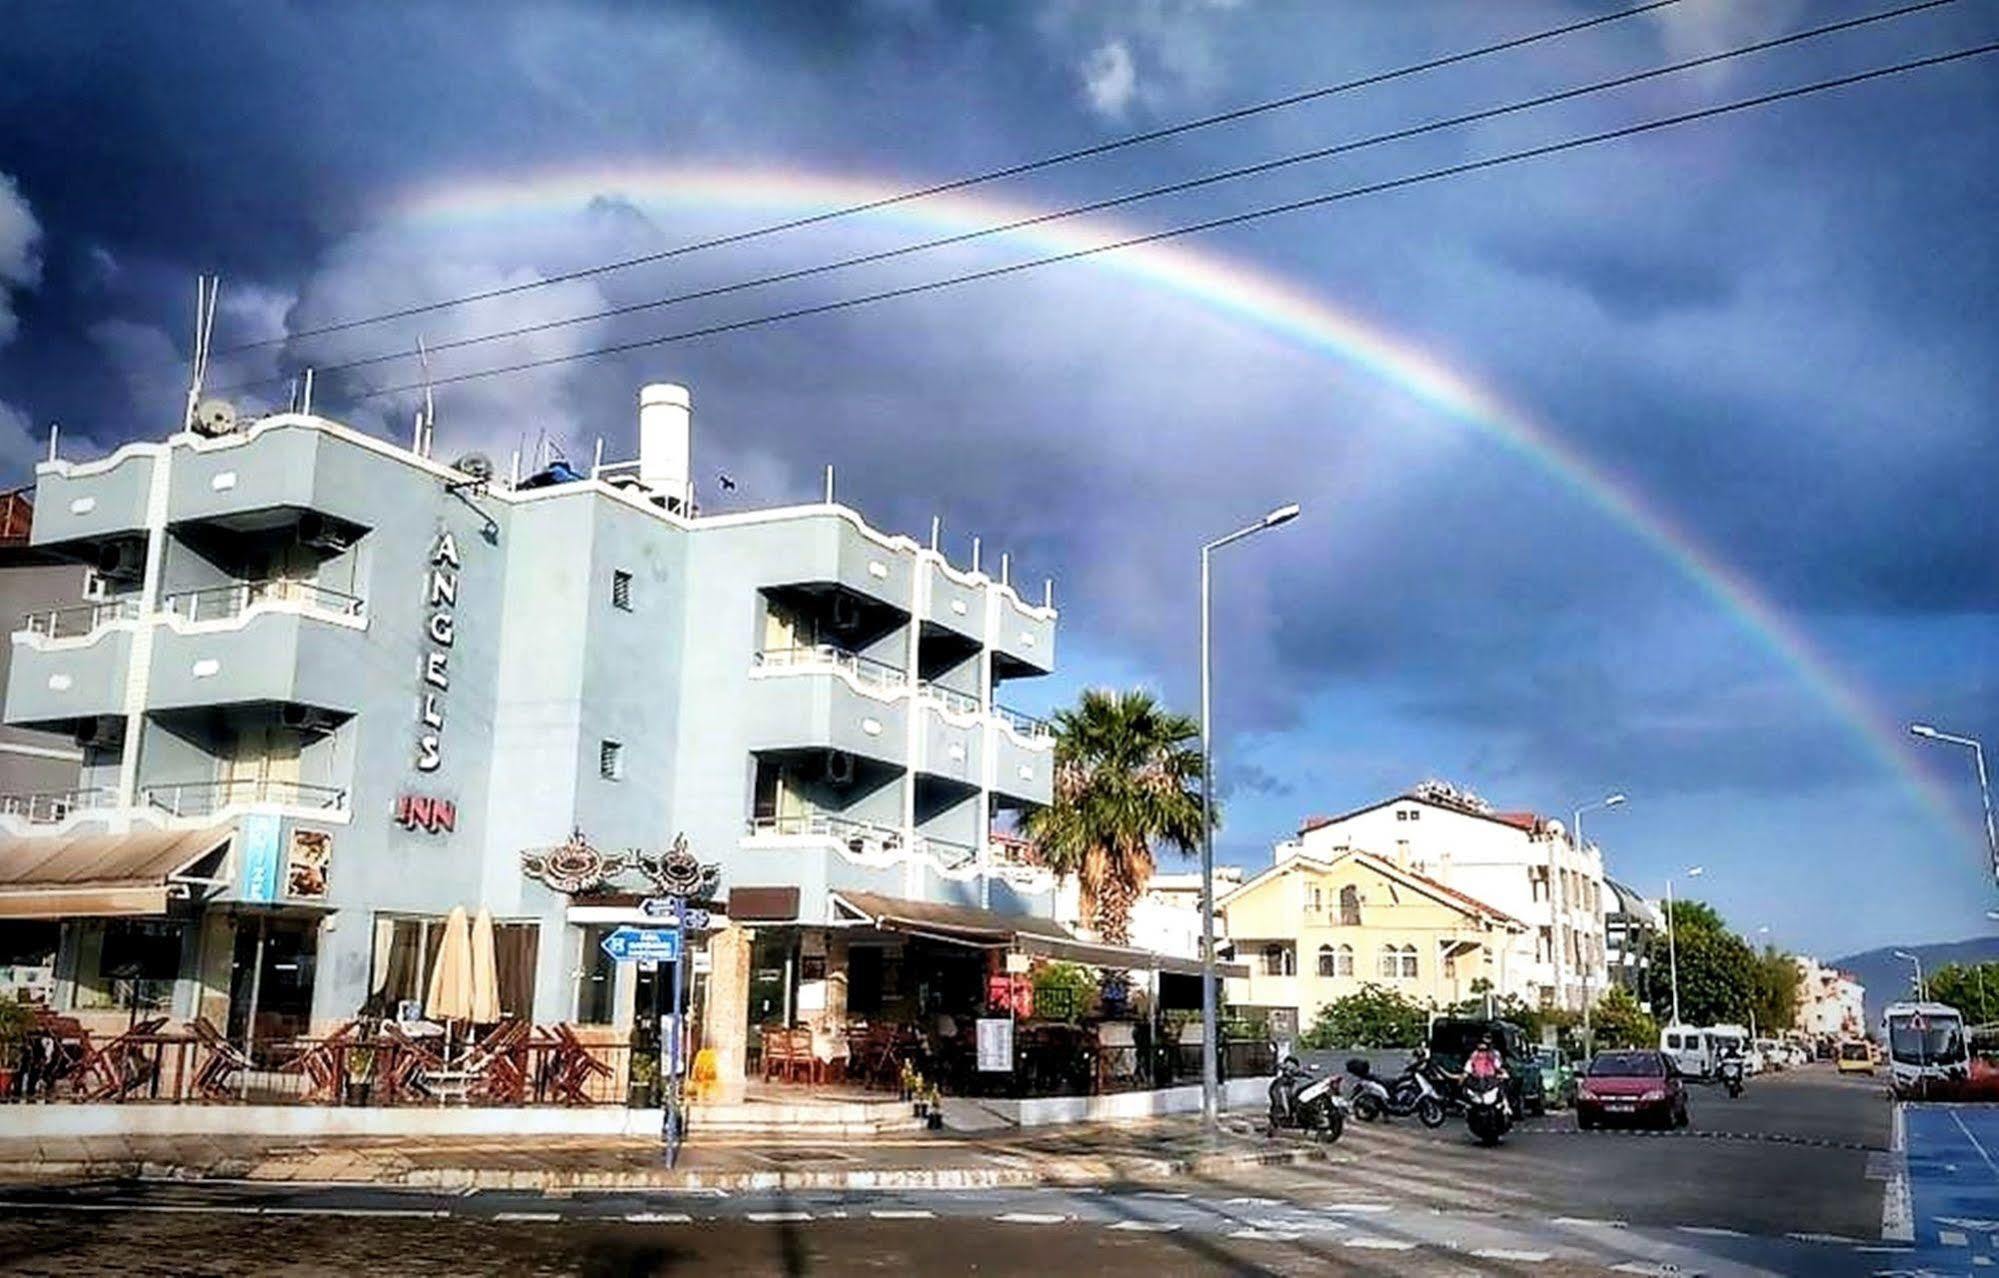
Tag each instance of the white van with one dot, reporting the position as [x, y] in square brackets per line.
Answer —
[1696, 1049]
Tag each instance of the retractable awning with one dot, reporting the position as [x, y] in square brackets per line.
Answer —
[1022, 934]
[102, 874]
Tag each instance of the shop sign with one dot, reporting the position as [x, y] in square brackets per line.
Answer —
[257, 837]
[421, 812]
[440, 630]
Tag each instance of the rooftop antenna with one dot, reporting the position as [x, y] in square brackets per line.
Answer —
[55, 430]
[829, 483]
[936, 531]
[597, 458]
[975, 554]
[206, 289]
[305, 399]
[1047, 592]
[426, 421]
[1006, 569]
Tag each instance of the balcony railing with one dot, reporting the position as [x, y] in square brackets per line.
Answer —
[53, 807]
[220, 603]
[1025, 725]
[950, 853]
[950, 698]
[858, 836]
[74, 620]
[206, 798]
[863, 670]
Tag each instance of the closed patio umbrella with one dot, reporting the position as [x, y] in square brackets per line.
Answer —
[484, 1003]
[450, 997]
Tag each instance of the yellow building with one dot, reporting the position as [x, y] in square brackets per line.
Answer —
[1316, 930]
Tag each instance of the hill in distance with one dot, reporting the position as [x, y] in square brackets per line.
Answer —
[1888, 978]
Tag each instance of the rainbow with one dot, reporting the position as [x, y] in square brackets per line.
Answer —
[1246, 295]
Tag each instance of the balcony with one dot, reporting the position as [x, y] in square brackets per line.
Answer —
[950, 700]
[205, 799]
[276, 641]
[1033, 731]
[63, 683]
[858, 838]
[825, 658]
[54, 807]
[78, 621]
[214, 604]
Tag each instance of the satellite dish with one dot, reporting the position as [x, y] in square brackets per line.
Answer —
[477, 465]
[213, 417]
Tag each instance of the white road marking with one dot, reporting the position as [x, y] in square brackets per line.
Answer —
[1592, 1221]
[659, 1218]
[903, 1213]
[163, 1208]
[1031, 1218]
[403, 1212]
[1835, 1239]
[1160, 1193]
[778, 1217]
[1379, 1244]
[1250, 1200]
[1501, 1253]
[1898, 1216]
[1652, 1270]
[1953, 1238]
[1146, 1226]
[1990, 1165]
[535, 1216]
[1358, 1207]
[1265, 1235]
[1711, 1231]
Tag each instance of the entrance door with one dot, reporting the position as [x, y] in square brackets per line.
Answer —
[280, 987]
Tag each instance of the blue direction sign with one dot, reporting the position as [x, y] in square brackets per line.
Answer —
[643, 944]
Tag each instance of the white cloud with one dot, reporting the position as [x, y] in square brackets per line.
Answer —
[1110, 79]
[20, 259]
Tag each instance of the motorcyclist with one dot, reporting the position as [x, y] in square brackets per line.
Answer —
[1486, 1065]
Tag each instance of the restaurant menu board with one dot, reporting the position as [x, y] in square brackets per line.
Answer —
[995, 1044]
[306, 866]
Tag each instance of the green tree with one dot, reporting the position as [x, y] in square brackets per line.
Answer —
[1718, 969]
[1371, 1017]
[1127, 781]
[1775, 994]
[1618, 1021]
[1971, 988]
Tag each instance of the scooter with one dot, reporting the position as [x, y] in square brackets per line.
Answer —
[1487, 1113]
[1310, 1105]
[1411, 1093]
[1729, 1073]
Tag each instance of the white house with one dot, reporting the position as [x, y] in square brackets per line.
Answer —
[1507, 860]
[1166, 918]
[1831, 1003]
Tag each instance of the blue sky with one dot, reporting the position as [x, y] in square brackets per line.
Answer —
[1777, 328]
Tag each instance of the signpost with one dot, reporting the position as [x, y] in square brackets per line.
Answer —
[631, 944]
[663, 944]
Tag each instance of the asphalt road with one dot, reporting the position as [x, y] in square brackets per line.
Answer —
[1784, 1180]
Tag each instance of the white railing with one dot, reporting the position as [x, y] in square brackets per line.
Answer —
[206, 798]
[950, 853]
[220, 603]
[74, 620]
[949, 698]
[1025, 725]
[53, 807]
[825, 657]
[858, 836]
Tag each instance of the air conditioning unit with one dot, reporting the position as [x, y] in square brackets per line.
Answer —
[846, 611]
[320, 533]
[123, 560]
[839, 767]
[305, 718]
[100, 733]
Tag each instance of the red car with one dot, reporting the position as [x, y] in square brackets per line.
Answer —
[1635, 1086]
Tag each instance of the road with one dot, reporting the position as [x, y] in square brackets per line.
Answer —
[1785, 1180]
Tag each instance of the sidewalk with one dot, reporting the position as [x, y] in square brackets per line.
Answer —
[1155, 1150]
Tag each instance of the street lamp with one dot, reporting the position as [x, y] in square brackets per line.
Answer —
[1211, 1084]
[1672, 943]
[1922, 991]
[1927, 732]
[1558, 896]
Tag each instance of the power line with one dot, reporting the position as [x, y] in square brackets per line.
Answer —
[976, 179]
[1172, 188]
[1195, 228]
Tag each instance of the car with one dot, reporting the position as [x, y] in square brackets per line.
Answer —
[1453, 1038]
[1637, 1086]
[1558, 1077]
[1856, 1058]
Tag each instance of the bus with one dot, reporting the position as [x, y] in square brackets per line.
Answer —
[1927, 1052]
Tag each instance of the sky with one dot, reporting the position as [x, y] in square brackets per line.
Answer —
[1659, 466]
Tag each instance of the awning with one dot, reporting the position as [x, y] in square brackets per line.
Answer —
[101, 874]
[1021, 933]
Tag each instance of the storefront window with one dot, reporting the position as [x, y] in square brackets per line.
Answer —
[28, 959]
[129, 963]
[406, 947]
[596, 984]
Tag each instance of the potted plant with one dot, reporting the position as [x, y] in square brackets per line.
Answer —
[934, 1119]
[360, 1074]
[645, 1080]
[17, 1019]
[917, 1094]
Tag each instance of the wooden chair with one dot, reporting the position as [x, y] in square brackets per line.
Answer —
[497, 1066]
[569, 1067]
[214, 1077]
[324, 1064]
[399, 1075]
[120, 1066]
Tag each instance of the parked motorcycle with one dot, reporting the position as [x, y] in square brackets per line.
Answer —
[1411, 1092]
[1302, 1102]
[1729, 1073]
[1486, 1112]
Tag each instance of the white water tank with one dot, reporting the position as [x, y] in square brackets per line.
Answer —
[666, 444]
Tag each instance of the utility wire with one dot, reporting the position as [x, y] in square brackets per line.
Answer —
[1195, 228]
[977, 179]
[1172, 188]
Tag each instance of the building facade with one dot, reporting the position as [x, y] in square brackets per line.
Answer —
[1520, 864]
[1315, 928]
[1831, 1004]
[1629, 924]
[329, 688]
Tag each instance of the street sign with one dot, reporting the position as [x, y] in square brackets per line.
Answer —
[694, 919]
[662, 907]
[655, 944]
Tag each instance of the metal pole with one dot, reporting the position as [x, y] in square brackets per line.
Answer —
[256, 994]
[1985, 797]
[1556, 903]
[1673, 951]
[1210, 1072]
[670, 1110]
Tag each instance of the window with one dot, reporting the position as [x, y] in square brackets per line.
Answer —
[1401, 814]
[1409, 962]
[406, 948]
[1317, 900]
[611, 760]
[1343, 961]
[1349, 906]
[596, 977]
[1415, 814]
[1537, 883]
[1280, 960]
[127, 963]
[1390, 965]
[1329, 964]
[621, 590]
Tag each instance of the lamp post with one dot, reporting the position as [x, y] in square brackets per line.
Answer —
[1927, 732]
[1210, 1035]
[1922, 992]
[1558, 896]
[1672, 942]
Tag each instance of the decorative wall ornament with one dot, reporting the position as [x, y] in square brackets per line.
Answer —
[575, 866]
[676, 872]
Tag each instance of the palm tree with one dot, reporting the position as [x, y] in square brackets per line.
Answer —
[1127, 780]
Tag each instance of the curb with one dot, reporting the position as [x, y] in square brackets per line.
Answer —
[1057, 1171]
